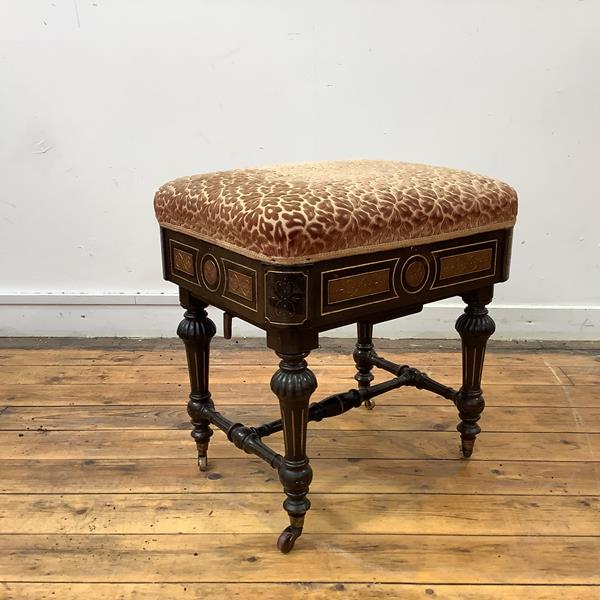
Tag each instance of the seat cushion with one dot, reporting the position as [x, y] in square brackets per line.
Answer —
[315, 211]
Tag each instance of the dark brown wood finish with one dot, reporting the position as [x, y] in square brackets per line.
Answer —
[293, 304]
[196, 330]
[293, 383]
[362, 358]
[475, 326]
[311, 298]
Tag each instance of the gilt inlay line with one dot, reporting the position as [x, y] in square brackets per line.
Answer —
[293, 434]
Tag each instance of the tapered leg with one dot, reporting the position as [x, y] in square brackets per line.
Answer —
[475, 326]
[196, 331]
[293, 383]
[361, 355]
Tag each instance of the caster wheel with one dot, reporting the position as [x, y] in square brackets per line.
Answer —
[288, 538]
[467, 447]
[369, 404]
[203, 463]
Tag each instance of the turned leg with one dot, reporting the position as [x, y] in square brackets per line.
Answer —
[475, 326]
[196, 331]
[362, 358]
[293, 383]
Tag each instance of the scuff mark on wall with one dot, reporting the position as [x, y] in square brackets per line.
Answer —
[77, 13]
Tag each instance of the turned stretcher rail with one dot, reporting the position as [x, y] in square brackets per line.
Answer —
[338, 404]
[249, 438]
[245, 438]
[416, 378]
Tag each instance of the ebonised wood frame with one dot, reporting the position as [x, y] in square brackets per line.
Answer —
[293, 304]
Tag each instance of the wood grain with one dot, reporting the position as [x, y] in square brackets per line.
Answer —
[322, 443]
[245, 474]
[342, 375]
[363, 513]
[263, 356]
[241, 356]
[327, 558]
[232, 392]
[384, 418]
[293, 591]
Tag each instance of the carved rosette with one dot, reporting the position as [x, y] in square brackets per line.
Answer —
[286, 297]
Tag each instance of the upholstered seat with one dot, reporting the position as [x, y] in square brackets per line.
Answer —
[314, 211]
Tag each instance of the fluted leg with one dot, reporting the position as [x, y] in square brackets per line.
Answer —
[475, 326]
[361, 355]
[293, 383]
[196, 331]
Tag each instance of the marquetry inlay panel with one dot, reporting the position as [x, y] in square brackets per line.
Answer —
[240, 286]
[183, 261]
[343, 289]
[465, 263]
[358, 286]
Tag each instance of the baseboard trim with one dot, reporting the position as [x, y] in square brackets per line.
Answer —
[156, 315]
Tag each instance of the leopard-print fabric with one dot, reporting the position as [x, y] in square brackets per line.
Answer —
[314, 211]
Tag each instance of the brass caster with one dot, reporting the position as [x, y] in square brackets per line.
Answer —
[369, 404]
[288, 538]
[467, 447]
[203, 463]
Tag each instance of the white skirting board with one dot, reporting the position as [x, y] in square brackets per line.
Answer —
[157, 315]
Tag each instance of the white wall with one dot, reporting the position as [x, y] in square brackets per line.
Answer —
[102, 101]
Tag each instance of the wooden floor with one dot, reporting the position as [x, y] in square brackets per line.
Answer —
[101, 497]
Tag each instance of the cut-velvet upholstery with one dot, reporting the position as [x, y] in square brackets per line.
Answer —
[306, 212]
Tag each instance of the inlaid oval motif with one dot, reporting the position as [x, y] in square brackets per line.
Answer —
[415, 273]
[211, 272]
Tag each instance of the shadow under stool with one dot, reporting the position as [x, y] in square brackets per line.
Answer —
[300, 249]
